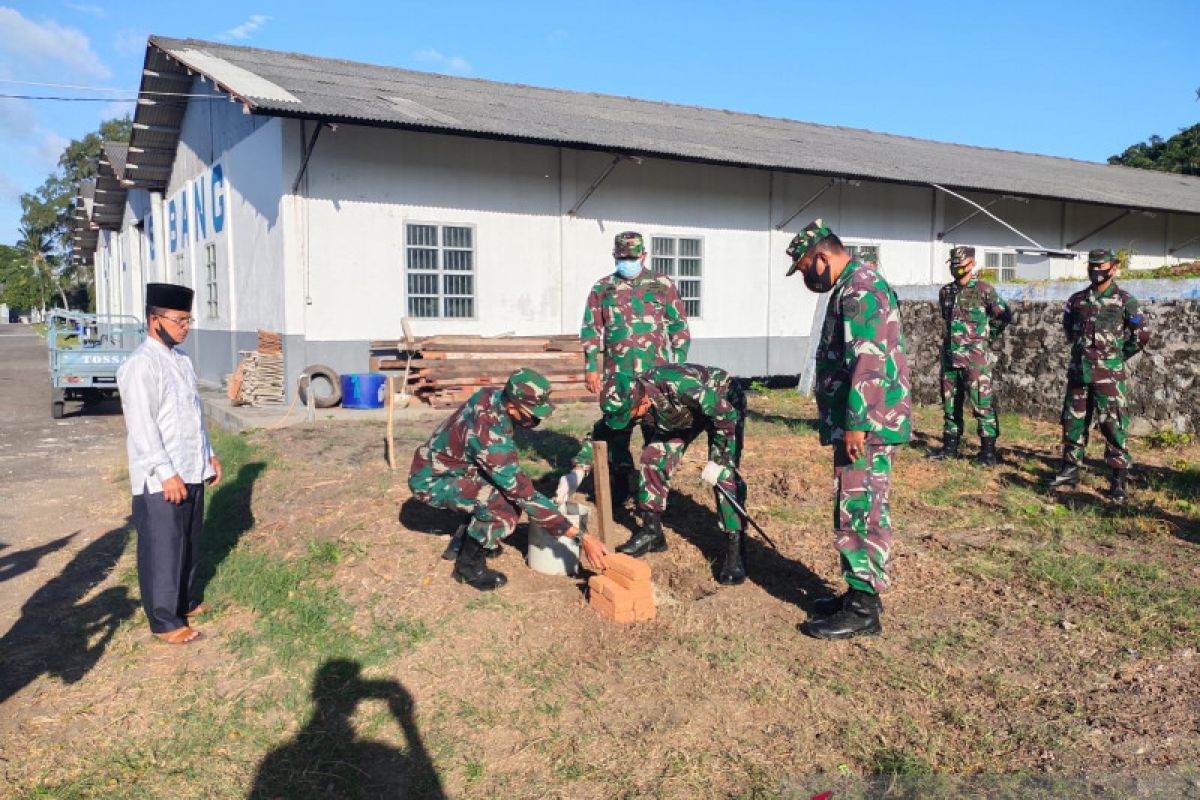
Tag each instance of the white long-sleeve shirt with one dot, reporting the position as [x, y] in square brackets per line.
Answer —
[164, 418]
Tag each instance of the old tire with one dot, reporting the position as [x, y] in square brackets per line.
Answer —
[311, 380]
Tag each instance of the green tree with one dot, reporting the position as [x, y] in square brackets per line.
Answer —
[1180, 153]
[49, 210]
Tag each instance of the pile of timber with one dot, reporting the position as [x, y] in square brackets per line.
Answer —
[258, 379]
[446, 370]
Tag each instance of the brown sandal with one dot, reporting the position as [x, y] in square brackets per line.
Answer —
[181, 635]
[203, 608]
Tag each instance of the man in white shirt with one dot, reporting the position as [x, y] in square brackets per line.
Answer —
[170, 460]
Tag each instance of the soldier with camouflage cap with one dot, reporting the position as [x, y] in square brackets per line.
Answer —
[864, 401]
[470, 464]
[633, 320]
[1106, 328]
[675, 403]
[975, 315]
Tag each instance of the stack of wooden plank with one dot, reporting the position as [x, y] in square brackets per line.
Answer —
[258, 380]
[445, 370]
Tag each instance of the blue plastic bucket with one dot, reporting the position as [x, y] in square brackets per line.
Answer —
[363, 390]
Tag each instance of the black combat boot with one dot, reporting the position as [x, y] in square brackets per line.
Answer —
[1067, 476]
[455, 543]
[1116, 487]
[733, 571]
[858, 616]
[470, 569]
[649, 539]
[987, 452]
[949, 448]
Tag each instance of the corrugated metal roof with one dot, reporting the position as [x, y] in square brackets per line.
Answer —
[296, 85]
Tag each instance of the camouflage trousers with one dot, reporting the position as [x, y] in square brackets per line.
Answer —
[861, 516]
[1105, 402]
[974, 385]
[492, 515]
[664, 452]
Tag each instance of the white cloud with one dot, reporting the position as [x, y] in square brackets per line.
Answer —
[243, 31]
[27, 45]
[87, 8]
[443, 63]
[16, 118]
[130, 42]
[117, 109]
[10, 190]
[47, 151]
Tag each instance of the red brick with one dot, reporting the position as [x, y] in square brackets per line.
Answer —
[624, 582]
[627, 566]
[624, 616]
[644, 616]
[620, 599]
[642, 605]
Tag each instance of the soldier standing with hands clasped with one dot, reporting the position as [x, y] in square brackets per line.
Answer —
[975, 316]
[1106, 328]
[864, 401]
[634, 320]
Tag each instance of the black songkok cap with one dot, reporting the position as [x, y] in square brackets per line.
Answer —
[169, 296]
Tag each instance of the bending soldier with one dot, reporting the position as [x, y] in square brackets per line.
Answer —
[864, 399]
[633, 320]
[470, 464]
[975, 316]
[676, 403]
[1106, 328]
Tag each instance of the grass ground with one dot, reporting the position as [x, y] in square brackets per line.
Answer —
[1035, 645]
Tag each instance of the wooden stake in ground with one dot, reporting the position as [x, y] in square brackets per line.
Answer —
[603, 494]
[390, 402]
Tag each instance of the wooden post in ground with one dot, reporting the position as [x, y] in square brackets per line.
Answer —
[604, 517]
[390, 402]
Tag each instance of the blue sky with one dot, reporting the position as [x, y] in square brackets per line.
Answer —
[1076, 78]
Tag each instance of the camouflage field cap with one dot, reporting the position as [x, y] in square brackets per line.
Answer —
[1101, 255]
[530, 389]
[619, 399]
[628, 245]
[812, 233]
[961, 253]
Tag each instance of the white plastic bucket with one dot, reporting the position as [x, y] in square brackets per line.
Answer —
[554, 555]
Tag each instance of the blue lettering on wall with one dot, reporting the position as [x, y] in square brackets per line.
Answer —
[218, 198]
[198, 208]
[183, 217]
[172, 228]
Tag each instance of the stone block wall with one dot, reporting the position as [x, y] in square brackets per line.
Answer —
[1031, 357]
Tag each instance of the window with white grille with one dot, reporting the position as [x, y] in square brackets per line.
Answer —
[999, 266]
[210, 279]
[864, 252]
[681, 258]
[440, 267]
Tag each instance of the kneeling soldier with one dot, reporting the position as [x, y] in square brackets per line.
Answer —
[675, 403]
[470, 464]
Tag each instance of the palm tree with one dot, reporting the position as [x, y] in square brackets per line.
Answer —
[38, 249]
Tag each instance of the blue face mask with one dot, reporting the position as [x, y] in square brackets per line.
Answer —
[628, 268]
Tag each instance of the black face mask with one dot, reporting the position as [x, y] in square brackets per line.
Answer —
[959, 271]
[819, 283]
[1098, 275]
[167, 339]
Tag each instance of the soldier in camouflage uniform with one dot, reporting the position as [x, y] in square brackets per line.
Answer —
[1105, 328]
[470, 464]
[676, 403]
[975, 316]
[633, 320]
[863, 397]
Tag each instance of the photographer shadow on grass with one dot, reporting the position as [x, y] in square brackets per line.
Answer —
[329, 759]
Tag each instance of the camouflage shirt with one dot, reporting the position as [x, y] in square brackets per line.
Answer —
[975, 315]
[682, 397]
[1104, 329]
[480, 435]
[636, 324]
[862, 380]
